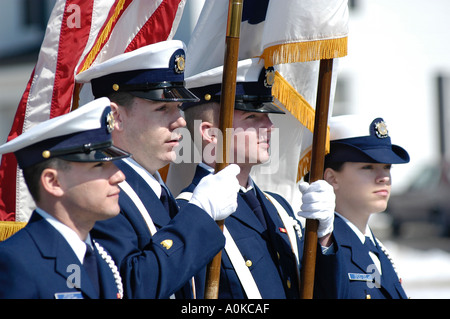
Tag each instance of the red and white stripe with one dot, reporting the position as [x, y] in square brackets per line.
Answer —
[105, 28]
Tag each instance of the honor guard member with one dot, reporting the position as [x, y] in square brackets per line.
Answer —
[67, 164]
[359, 169]
[263, 247]
[158, 247]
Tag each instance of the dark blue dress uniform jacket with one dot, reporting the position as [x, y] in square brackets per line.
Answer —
[353, 258]
[37, 262]
[149, 269]
[273, 264]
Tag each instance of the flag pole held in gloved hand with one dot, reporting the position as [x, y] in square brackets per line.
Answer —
[226, 121]
[316, 173]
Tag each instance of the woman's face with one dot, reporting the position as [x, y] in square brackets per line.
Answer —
[362, 188]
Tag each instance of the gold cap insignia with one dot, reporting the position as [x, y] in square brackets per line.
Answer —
[110, 122]
[179, 63]
[167, 243]
[115, 87]
[207, 97]
[270, 78]
[381, 129]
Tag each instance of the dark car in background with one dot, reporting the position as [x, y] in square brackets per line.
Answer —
[427, 199]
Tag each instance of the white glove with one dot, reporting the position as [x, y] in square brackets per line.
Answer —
[318, 202]
[217, 193]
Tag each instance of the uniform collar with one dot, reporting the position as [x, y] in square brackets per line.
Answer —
[250, 183]
[207, 167]
[154, 181]
[77, 245]
[359, 234]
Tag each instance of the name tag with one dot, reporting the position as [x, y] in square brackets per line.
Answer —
[360, 277]
[69, 295]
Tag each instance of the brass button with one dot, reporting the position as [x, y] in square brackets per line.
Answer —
[288, 283]
[248, 263]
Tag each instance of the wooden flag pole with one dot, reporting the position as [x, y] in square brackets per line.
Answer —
[316, 173]
[226, 121]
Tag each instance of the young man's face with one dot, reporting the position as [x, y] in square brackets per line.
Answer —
[150, 132]
[91, 190]
[251, 138]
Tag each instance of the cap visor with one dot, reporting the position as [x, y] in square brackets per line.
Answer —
[396, 155]
[108, 154]
[172, 94]
[267, 107]
[342, 152]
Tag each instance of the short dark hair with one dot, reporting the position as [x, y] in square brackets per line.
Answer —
[336, 166]
[124, 99]
[32, 174]
[200, 112]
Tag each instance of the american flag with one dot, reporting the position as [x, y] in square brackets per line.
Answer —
[79, 34]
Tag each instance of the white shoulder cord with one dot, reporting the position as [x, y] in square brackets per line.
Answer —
[141, 207]
[243, 272]
[291, 224]
[107, 258]
[137, 201]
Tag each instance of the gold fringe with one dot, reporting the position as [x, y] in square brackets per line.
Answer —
[93, 53]
[8, 228]
[103, 37]
[293, 101]
[304, 165]
[302, 111]
[305, 51]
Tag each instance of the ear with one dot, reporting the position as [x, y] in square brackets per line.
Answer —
[50, 182]
[118, 116]
[330, 176]
[208, 132]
